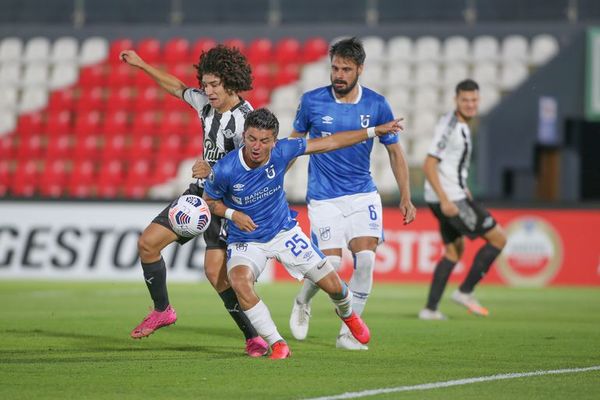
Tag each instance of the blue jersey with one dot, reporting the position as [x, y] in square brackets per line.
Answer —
[345, 171]
[257, 192]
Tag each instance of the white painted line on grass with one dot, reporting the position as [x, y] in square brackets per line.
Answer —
[457, 382]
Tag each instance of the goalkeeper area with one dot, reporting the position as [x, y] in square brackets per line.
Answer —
[71, 340]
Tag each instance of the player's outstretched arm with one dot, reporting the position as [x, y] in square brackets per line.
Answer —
[348, 138]
[400, 170]
[165, 80]
[241, 220]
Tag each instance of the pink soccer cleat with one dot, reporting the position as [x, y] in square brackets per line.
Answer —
[280, 350]
[256, 347]
[358, 328]
[154, 320]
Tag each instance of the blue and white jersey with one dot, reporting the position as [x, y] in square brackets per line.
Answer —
[345, 171]
[257, 192]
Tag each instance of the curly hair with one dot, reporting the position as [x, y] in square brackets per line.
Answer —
[229, 65]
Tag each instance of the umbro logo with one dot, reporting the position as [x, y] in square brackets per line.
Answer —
[238, 187]
[327, 119]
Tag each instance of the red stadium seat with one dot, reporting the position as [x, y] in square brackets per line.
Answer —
[176, 50]
[115, 148]
[138, 173]
[286, 74]
[120, 99]
[172, 103]
[236, 43]
[261, 74]
[30, 123]
[91, 99]
[186, 73]
[7, 147]
[149, 50]
[258, 97]
[115, 123]
[62, 100]
[194, 127]
[25, 179]
[116, 47]
[193, 148]
[82, 179]
[120, 75]
[93, 75]
[260, 51]
[60, 146]
[31, 147]
[314, 49]
[87, 147]
[110, 177]
[170, 148]
[144, 124]
[53, 181]
[173, 123]
[142, 148]
[163, 171]
[5, 175]
[287, 51]
[147, 99]
[59, 123]
[87, 123]
[199, 46]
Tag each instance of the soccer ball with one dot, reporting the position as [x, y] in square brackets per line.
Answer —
[189, 216]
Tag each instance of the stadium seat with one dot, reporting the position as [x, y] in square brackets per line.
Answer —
[120, 75]
[137, 179]
[172, 123]
[87, 147]
[91, 99]
[9, 98]
[426, 98]
[372, 76]
[427, 49]
[81, 178]
[147, 99]
[199, 46]
[258, 97]
[149, 50]
[144, 124]
[63, 74]
[115, 123]
[5, 173]
[485, 48]
[116, 47]
[110, 178]
[115, 148]
[120, 99]
[193, 147]
[314, 49]
[37, 50]
[170, 148]
[176, 51]
[398, 74]
[261, 74]
[60, 146]
[92, 75]
[64, 50]
[515, 48]
[30, 147]
[285, 99]
[286, 74]
[62, 100]
[10, 74]
[287, 51]
[314, 75]
[543, 48]
[11, 50]
[489, 98]
[7, 147]
[260, 51]
[8, 122]
[141, 148]
[59, 123]
[454, 73]
[53, 182]
[400, 100]
[374, 48]
[24, 180]
[93, 51]
[236, 43]
[33, 99]
[186, 73]
[163, 171]
[427, 73]
[512, 74]
[35, 74]
[31, 123]
[400, 49]
[87, 123]
[456, 49]
[485, 73]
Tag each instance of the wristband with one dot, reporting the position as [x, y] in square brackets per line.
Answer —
[229, 213]
[371, 132]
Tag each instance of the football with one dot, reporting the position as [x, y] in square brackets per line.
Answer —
[189, 216]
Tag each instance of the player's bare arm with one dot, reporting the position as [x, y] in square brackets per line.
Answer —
[165, 80]
[400, 170]
[241, 220]
[431, 174]
[201, 169]
[348, 138]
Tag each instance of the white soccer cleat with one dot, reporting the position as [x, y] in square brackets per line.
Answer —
[347, 341]
[470, 302]
[430, 315]
[299, 320]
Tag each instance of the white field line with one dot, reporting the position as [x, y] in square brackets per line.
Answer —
[457, 382]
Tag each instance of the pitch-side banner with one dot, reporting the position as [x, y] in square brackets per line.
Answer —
[76, 240]
[545, 247]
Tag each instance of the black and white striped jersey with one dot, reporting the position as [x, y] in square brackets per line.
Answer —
[222, 132]
[451, 145]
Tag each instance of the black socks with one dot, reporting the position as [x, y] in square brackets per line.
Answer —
[442, 272]
[481, 265]
[233, 307]
[155, 275]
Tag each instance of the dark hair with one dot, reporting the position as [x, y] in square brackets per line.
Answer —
[229, 65]
[262, 118]
[351, 48]
[468, 85]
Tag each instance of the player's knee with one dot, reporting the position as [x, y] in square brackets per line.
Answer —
[146, 248]
[335, 261]
[497, 238]
[455, 250]
[364, 263]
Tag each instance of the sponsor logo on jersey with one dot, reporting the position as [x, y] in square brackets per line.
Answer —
[238, 187]
[364, 120]
[228, 133]
[325, 233]
[533, 252]
[327, 119]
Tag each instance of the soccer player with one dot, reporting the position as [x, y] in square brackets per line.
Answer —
[446, 169]
[222, 74]
[246, 186]
[344, 207]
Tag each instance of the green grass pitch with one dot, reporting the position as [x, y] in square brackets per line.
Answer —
[71, 341]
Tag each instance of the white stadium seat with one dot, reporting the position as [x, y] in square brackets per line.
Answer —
[485, 72]
[512, 75]
[64, 49]
[8, 98]
[485, 48]
[448, 94]
[372, 76]
[35, 75]
[33, 99]
[93, 50]
[286, 124]
[489, 97]
[11, 50]
[314, 75]
[374, 48]
[515, 48]
[398, 74]
[8, 122]
[296, 180]
[63, 74]
[37, 50]
[456, 48]
[454, 73]
[399, 100]
[285, 98]
[10, 74]
[424, 123]
[426, 98]
[427, 48]
[543, 48]
[427, 73]
[400, 49]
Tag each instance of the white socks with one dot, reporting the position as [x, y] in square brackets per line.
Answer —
[344, 305]
[362, 279]
[310, 289]
[260, 317]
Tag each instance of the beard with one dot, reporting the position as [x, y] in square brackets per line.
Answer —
[345, 91]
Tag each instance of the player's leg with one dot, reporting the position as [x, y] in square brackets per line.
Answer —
[244, 266]
[150, 244]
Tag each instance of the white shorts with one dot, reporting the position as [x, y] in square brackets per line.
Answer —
[291, 248]
[335, 222]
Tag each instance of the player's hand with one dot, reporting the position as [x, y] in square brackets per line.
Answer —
[408, 210]
[131, 57]
[394, 126]
[449, 209]
[201, 169]
[243, 221]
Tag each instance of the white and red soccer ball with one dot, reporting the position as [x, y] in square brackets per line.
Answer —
[189, 216]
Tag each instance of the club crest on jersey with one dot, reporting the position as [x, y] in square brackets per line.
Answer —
[241, 246]
[325, 233]
[364, 120]
[270, 171]
[228, 133]
[327, 119]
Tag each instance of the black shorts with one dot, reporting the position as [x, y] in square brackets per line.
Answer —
[472, 221]
[215, 236]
